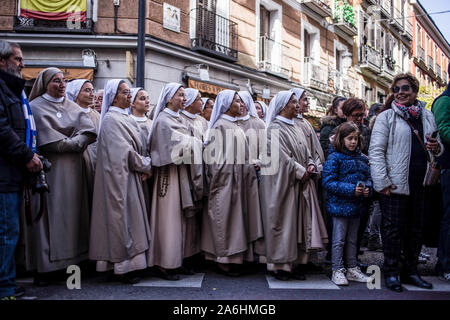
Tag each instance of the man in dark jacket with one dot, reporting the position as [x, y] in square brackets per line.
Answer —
[441, 111]
[16, 158]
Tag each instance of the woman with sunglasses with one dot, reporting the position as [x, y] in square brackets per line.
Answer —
[398, 166]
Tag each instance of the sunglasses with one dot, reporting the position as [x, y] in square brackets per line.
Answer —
[397, 89]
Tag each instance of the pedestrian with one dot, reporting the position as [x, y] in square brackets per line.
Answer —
[98, 100]
[81, 92]
[207, 108]
[441, 111]
[347, 182]
[293, 224]
[353, 110]
[120, 231]
[398, 168]
[61, 237]
[173, 150]
[232, 222]
[18, 158]
[333, 118]
[261, 108]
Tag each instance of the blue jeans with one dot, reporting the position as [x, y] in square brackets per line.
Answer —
[9, 235]
[345, 237]
[444, 239]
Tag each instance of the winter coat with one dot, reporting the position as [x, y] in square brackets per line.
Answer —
[390, 148]
[341, 173]
[328, 124]
[14, 153]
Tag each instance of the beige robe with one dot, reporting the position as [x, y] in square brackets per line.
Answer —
[253, 128]
[312, 142]
[90, 155]
[174, 235]
[232, 220]
[61, 237]
[120, 231]
[293, 224]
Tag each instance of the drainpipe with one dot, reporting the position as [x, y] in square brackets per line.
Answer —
[140, 68]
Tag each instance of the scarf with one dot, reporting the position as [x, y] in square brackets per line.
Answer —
[411, 111]
[31, 126]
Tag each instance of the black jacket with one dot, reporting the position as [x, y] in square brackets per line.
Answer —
[14, 153]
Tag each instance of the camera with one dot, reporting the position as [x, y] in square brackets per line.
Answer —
[39, 181]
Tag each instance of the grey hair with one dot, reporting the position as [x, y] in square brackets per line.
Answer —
[6, 48]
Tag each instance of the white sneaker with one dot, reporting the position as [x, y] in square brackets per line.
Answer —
[339, 278]
[355, 274]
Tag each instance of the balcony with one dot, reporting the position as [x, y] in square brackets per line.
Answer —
[272, 57]
[321, 7]
[373, 2]
[343, 85]
[388, 69]
[407, 30]
[314, 75]
[386, 8]
[214, 35]
[370, 60]
[344, 18]
[397, 19]
[55, 22]
[445, 79]
[438, 71]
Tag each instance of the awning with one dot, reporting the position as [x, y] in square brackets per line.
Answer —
[209, 87]
[29, 73]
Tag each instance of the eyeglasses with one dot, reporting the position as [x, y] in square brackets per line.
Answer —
[405, 88]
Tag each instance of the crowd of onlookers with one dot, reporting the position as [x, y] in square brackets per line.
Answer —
[94, 175]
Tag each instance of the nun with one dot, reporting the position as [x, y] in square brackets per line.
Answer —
[61, 236]
[312, 140]
[261, 109]
[140, 105]
[191, 114]
[81, 92]
[207, 108]
[232, 221]
[120, 231]
[173, 150]
[293, 225]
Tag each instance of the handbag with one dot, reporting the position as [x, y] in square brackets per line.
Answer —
[434, 171]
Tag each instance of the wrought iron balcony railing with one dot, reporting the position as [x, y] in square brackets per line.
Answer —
[444, 77]
[370, 59]
[314, 75]
[388, 68]
[375, 2]
[344, 17]
[214, 35]
[321, 7]
[342, 84]
[438, 71]
[386, 8]
[397, 19]
[408, 29]
[272, 57]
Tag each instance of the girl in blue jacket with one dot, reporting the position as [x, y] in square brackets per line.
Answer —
[346, 179]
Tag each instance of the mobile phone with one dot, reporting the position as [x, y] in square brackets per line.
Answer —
[361, 184]
[434, 134]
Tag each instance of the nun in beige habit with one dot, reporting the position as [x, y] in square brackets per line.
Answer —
[293, 224]
[232, 220]
[120, 231]
[312, 140]
[61, 237]
[81, 91]
[252, 125]
[197, 125]
[140, 105]
[174, 235]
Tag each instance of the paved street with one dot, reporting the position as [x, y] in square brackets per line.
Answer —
[209, 285]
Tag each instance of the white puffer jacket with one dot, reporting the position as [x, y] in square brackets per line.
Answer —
[390, 148]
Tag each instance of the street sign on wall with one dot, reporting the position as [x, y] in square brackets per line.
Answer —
[171, 17]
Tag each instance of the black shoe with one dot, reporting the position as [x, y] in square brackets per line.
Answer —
[128, 278]
[19, 291]
[186, 271]
[227, 270]
[417, 281]
[166, 274]
[282, 275]
[393, 283]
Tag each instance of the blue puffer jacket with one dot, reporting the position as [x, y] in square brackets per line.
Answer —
[341, 172]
